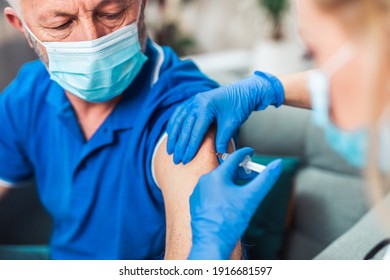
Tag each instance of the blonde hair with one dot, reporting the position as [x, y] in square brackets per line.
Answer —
[371, 18]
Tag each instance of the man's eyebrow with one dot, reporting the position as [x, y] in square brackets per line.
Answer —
[60, 14]
[121, 2]
[54, 14]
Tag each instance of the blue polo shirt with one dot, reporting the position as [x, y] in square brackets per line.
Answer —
[101, 193]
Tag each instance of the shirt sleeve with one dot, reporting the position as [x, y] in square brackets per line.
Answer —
[182, 81]
[15, 168]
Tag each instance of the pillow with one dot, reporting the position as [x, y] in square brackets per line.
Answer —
[264, 237]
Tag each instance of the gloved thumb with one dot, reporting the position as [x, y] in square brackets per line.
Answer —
[232, 163]
[259, 187]
[224, 135]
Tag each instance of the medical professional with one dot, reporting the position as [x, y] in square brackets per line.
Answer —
[349, 94]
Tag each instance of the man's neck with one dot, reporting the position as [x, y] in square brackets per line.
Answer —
[91, 116]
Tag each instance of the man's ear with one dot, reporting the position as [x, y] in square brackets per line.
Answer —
[13, 19]
[16, 22]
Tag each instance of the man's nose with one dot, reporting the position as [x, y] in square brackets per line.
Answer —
[92, 31]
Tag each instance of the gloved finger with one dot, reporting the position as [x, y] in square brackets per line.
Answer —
[259, 187]
[243, 176]
[198, 133]
[225, 132]
[231, 164]
[182, 142]
[174, 127]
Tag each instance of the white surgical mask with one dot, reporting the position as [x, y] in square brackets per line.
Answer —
[97, 70]
[351, 145]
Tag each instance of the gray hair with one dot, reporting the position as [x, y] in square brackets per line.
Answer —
[15, 4]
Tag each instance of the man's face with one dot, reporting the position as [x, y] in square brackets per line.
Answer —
[79, 20]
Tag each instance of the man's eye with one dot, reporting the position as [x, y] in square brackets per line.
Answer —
[111, 16]
[63, 26]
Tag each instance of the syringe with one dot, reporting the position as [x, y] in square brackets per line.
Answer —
[247, 164]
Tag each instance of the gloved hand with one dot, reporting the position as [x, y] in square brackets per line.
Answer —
[229, 106]
[222, 210]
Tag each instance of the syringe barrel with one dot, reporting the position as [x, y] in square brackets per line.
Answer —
[255, 166]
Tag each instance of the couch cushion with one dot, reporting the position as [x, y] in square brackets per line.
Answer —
[327, 204]
[363, 237]
[279, 132]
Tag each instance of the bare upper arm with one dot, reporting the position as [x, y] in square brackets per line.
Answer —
[177, 183]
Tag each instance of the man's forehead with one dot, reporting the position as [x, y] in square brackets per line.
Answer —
[63, 7]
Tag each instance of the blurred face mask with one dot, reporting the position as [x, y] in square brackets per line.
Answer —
[351, 145]
[97, 70]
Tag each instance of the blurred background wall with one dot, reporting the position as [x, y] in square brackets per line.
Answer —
[14, 50]
[220, 24]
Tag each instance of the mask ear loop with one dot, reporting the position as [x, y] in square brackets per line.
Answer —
[32, 34]
[39, 52]
[339, 59]
[336, 62]
[324, 73]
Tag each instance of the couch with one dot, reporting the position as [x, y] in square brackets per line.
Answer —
[327, 194]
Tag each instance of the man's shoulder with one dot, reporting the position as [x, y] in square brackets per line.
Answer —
[183, 70]
[33, 71]
[31, 76]
[29, 85]
[178, 78]
[26, 95]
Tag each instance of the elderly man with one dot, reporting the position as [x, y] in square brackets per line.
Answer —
[87, 124]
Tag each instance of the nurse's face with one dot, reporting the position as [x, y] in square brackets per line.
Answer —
[75, 20]
[324, 35]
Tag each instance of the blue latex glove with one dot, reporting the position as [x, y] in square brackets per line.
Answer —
[229, 106]
[222, 210]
